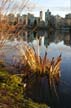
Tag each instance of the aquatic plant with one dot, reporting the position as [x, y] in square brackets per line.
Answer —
[31, 62]
[29, 66]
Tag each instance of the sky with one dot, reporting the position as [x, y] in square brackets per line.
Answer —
[60, 7]
[57, 7]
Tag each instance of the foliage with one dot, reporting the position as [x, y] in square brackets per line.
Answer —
[12, 89]
[30, 104]
[12, 93]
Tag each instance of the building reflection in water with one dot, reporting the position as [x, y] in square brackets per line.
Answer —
[67, 39]
[55, 37]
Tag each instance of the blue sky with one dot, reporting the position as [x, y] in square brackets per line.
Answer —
[53, 3]
[60, 7]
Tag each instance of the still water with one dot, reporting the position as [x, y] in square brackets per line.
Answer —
[55, 44]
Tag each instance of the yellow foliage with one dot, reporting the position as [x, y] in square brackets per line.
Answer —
[16, 79]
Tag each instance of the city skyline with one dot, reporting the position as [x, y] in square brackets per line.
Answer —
[60, 7]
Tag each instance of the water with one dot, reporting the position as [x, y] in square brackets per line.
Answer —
[55, 44]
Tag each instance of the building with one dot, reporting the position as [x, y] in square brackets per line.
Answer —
[41, 15]
[19, 19]
[68, 19]
[47, 17]
[3, 18]
[31, 19]
[37, 20]
[49, 20]
[58, 20]
[11, 19]
[25, 19]
[22, 19]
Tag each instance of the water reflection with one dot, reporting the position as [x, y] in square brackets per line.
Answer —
[55, 44]
[49, 38]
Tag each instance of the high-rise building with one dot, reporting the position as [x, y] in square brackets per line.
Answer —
[41, 15]
[31, 19]
[47, 16]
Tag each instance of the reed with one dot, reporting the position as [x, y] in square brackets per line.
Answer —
[31, 62]
[39, 65]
